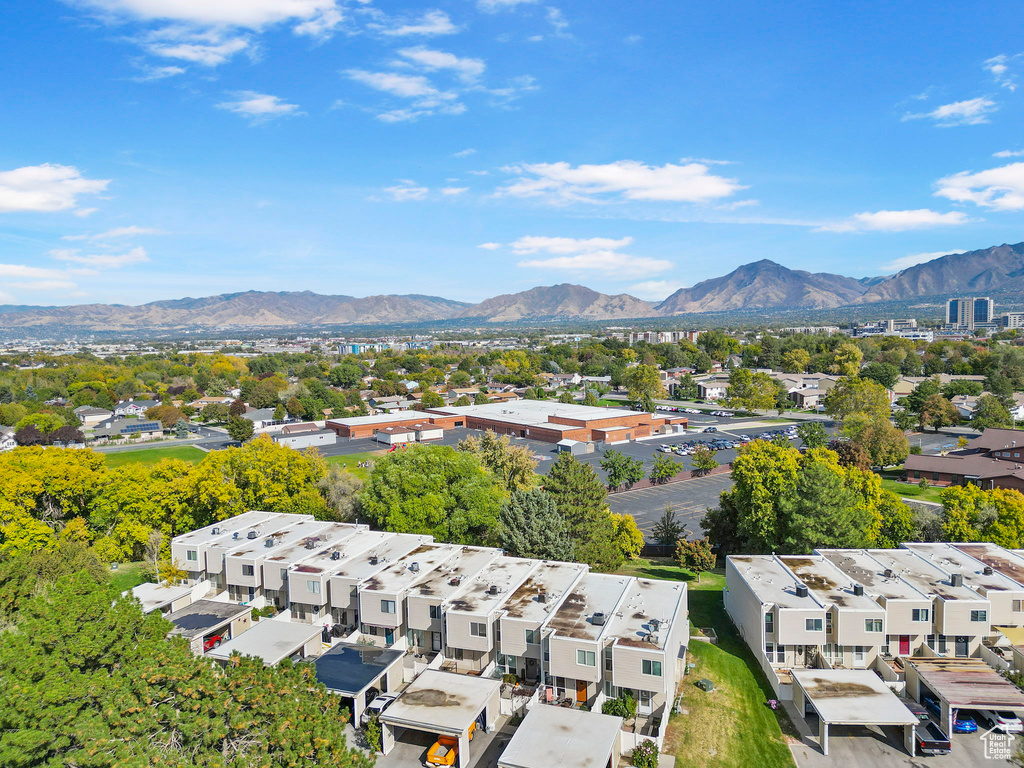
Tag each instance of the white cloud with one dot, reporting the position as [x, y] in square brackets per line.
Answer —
[1009, 153]
[896, 221]
[31, 273]
[407, 190]
[209, 54]
[633, 39]
[567, 245]
[464, 153]
[905, 262]
[467, 69]
[101, 260]
[493, 6]
[45, 188]
[1001, 189]
[999, 66]
[609, 262]
[159, 73]
[250, 14]
[431, 23]
[453, 191]
[406, 86]
[489, 246]
[44, 285]
[970, 112]
[259, 107]
[654, 290]
[628, 179]
[558, 22]
[84, 212]
[116, 232]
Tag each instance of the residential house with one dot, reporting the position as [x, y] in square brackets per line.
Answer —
[713, 387]
[7, 441]
[262, 419]
[135, 408]
[91, 416]
[127, 428]
[992, 460]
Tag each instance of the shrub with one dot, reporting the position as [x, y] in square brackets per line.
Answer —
[645, 755]
[373, 733]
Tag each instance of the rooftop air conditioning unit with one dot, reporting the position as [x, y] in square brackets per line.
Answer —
[251, 535]
[801, 590]
[335, 555]
[598, 619]
[888, 573]
[269, 542]
[542, 597]
[956, 580]
[311, 544]
[414, 567]
[987, 570]
[654, 624]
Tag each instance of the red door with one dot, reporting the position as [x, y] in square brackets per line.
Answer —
[904, 645]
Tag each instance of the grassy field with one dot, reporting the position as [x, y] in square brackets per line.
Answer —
[732, 726]
[909, 490]
[351, 462]
[129, 575]
[153, 455]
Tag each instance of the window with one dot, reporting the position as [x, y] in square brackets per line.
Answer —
[872, 625]
[313, 587]
[247, 570]
[769, 652]
[780, 653]
[608, 659]
[387, 606]
[586, 658]
[284, 574]
[769, 623]
[812, 625]
[435, 611]
[1018, 606]
[650, 667]
[192, 555]
[858, 653]
[477, 629]
[828, 623]
[979, 615]
[919, 614]
[533, 637]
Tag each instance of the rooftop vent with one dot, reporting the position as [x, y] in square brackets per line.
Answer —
[234, 535]
[858, 590]
[455, 581]
[888, 573]
[310, 543]
[493, 589]
[956, 580]
[335, 555]
[374, 559]
[414, 567]
[987, 570]
[654, 624]
[251, 535]
[598, 619]
[269, 542]
[542, 597]
[801, 590]
[215, 531]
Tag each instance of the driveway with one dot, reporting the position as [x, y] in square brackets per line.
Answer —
[689, 498]
[411, 748]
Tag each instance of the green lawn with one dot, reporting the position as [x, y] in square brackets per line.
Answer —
[732, 726]
[153, 455]
[909, 490]
[129, 575]
[352, 460]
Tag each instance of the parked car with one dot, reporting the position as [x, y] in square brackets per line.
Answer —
[1007, 722]
[665, 449]
[932, 705]
[964, 723]
[377, 706]
[211, 642]
[445, 750]
[931, 740]
[710, 429]
[919, 711]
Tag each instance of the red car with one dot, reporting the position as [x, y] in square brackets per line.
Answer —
[211, 642]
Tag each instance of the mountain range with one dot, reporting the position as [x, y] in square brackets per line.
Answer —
[762, 284]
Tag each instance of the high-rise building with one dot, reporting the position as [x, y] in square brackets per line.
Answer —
[970, 313]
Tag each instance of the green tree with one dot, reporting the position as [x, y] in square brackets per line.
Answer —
[751, 391]
[279, 412]
[703, 460]
[581, 499]
[463, 400]
[566, 397]
[686, 388]
[796, 360]
[663, 469]
[991, 413]
[167, 415]
[667, 531]
[851, 454]
[621, 469]
[695, 556]
[590, 399]
[181, 429]
[884, 444]
[531, 526]
[481, 398]
[855, 395]
[643, 385]
[513, 465]
[215, 412]
[821, 512]
[341, 490]
[937, 412]
[430, 400]
[813, 434]
[240, 429]
[916, 399]
[846, 360]
[434, 490]
[884, 374]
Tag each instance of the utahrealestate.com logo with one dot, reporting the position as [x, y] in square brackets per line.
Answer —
[998, 745]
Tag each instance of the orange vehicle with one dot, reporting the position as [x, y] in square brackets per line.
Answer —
[446, 749]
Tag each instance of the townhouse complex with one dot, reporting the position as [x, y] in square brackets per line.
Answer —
[580, 637]
[876, 609]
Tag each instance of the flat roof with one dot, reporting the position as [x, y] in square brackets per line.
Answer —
[647, 600]
[553, 579]
[503, 575]
[269, 640]
[442, 701]
[968, 683]
[204, 616]
[536, 412]
[226, 527]
[360, 541]
[154, 596]
[255, 548]
[771, 582]
[556, 737]
[332, 534]
[410, 569]
[349, 668]
[922, 575]
[864, 569]
[381, 418]
[852, 696]
[828, 582]
[1003, 561]
[374, 559]
[450, 578]
[594, 593]
[953, 560]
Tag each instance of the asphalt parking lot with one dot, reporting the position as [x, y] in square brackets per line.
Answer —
[690, 499]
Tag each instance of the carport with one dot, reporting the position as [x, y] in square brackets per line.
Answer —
[962, 684]
[443, 703]
[351, 670]
[272, 641]
[556, 737]
[204, 618]
[850, 697]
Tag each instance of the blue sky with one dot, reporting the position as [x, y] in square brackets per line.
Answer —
[153, 149]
